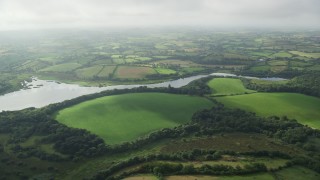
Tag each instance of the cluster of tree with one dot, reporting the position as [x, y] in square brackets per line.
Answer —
[220, 119]
[220, 59]
[32, 122]
[288, 73]
[154, 164]
[5, 87]
[26, 152]
[308, 84]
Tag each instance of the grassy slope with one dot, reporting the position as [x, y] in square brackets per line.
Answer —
[305, 109]
[227, 86]
[126, 117]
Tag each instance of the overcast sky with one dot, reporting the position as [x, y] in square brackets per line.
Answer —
[34, 14]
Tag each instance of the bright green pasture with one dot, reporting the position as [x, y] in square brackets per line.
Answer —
[306, 109]
[165, 71]
[281, 54]
[227, 86]
[192, 69]
[121, 118]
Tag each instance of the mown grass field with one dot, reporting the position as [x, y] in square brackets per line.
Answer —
[126, 117]
[227, 86]
[305, 109]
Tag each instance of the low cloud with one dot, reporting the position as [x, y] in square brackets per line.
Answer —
[38, 14]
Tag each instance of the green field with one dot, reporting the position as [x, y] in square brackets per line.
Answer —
[192, 69]
[314, 68]
[227, 86]
[88, 72]
[294, 173]
[62, 67]
[306, 109]
[281, 54]
[126, 117]
[107, 71]
[277, 63]
[165, 71]
[309, 55]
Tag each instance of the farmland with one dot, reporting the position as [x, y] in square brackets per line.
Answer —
[212, 128]
[133, 72]
[227, 86]
[298, 173]
[103, 59]
[296, 106]
[124, 118]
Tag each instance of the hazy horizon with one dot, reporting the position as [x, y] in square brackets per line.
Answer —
[58, 14]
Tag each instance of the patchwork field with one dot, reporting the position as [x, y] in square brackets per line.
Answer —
[305, 109]
[227, 86]
[133, 72]
[126, 117]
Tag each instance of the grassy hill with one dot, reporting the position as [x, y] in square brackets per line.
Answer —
[126, 117]
[305, 109]
[227, 86]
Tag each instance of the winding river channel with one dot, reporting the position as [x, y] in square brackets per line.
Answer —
[42, 92]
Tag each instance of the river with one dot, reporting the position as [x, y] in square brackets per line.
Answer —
[42, 92]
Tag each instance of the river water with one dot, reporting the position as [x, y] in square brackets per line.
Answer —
[41, 92]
